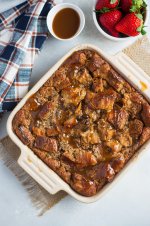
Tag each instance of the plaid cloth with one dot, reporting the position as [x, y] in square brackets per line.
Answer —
[22, 32]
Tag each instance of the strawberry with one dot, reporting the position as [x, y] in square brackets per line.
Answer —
[132, 5]
[106, 4]
[131, 25]
[109, 19]
[126, 5]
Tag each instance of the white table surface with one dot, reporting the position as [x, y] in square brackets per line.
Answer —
[127, 204]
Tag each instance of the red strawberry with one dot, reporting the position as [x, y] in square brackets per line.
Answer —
[106, 4]
[131, 25]
[132, 5]
[126, 5]
[109, 19]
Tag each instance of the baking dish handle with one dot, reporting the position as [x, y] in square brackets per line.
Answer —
[36, 169]
[133, 72]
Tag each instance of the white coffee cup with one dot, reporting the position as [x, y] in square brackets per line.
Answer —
[52, 13]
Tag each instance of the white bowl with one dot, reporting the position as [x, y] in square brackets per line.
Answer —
[36, 167]
[115, 38]
[55, 10]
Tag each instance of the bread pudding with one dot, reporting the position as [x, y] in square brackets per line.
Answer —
[85, 122]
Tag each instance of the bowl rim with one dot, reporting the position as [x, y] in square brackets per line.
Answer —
[115, 38]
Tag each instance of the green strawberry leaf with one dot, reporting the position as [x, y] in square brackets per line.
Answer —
[141, 29]
[113, 1]
[139, 16]
[104, 10]
[133, 9]
[137, 5]
[143, 32]
[144, 4]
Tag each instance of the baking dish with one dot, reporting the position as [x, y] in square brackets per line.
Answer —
[39, 170]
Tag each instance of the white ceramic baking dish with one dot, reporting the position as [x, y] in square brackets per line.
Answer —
[38, 169]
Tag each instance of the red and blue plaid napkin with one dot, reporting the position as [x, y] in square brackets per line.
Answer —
[23, 31]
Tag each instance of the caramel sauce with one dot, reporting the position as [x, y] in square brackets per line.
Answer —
[143, 86]
[66, 23]
[33, 104]
[72, 142]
